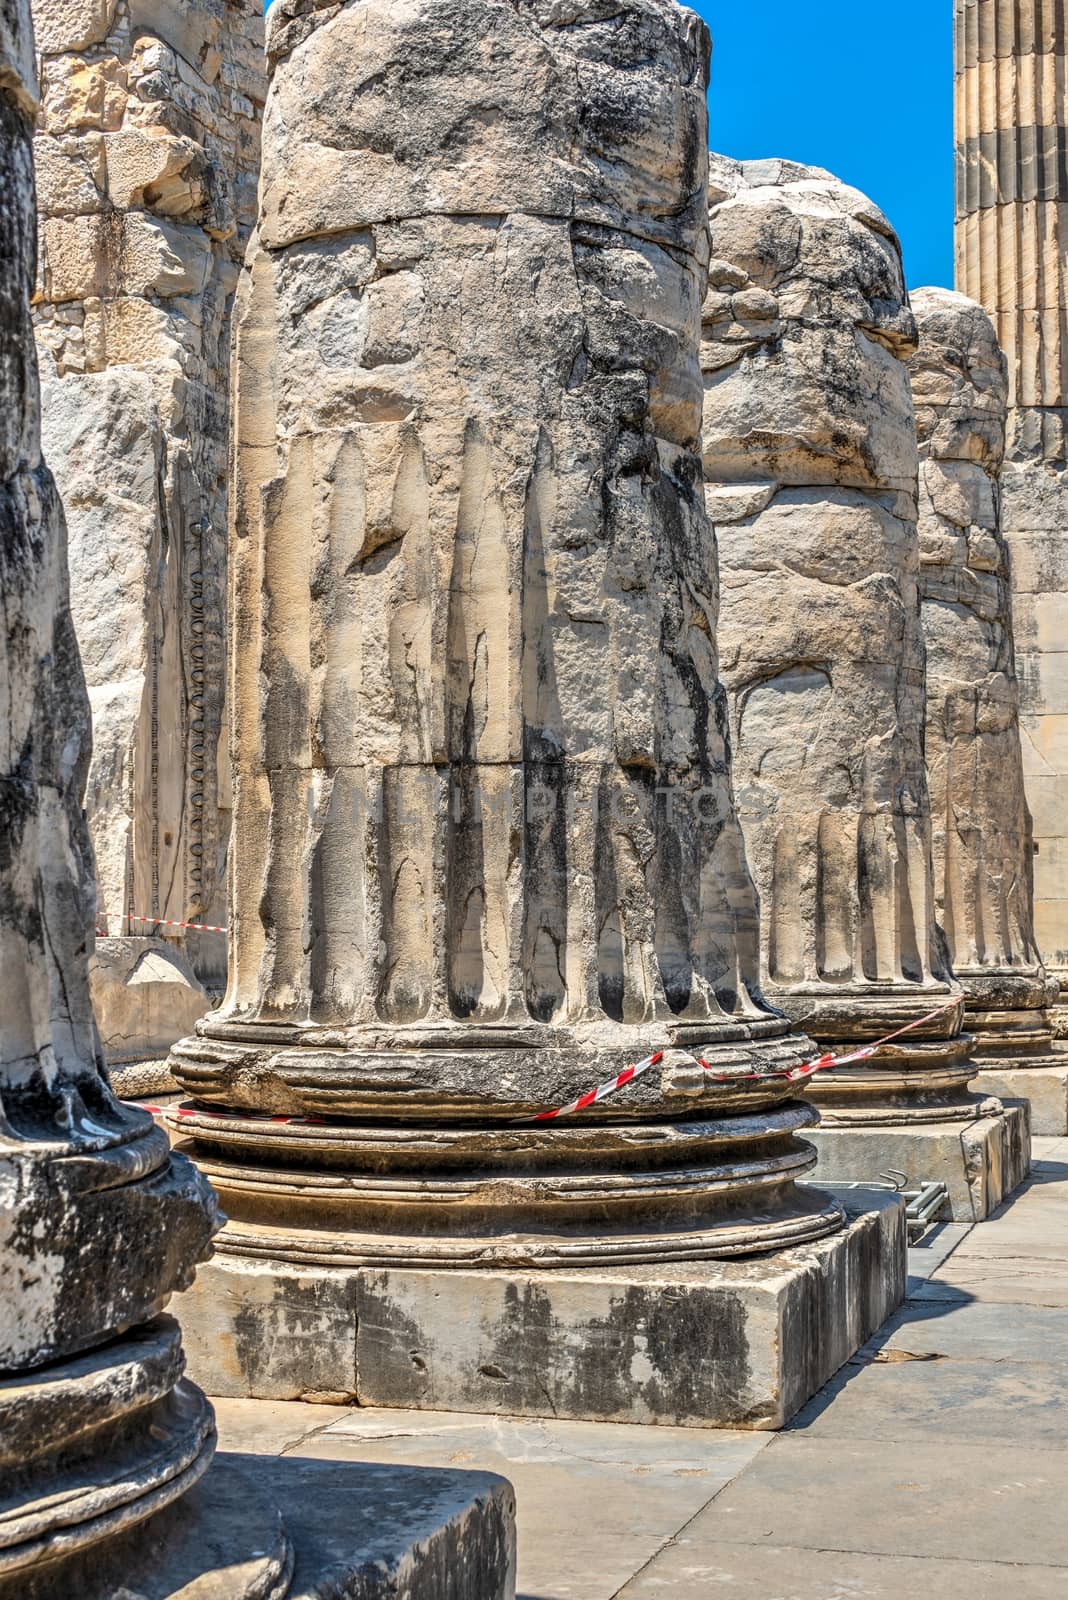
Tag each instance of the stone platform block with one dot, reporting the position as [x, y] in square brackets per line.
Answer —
[349, 1529]
[981, 1162]
[736, 1344]
[1045, 1087]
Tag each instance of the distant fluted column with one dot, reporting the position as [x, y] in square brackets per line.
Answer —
[1012, 257]
[811, 471]
[982, 826]
[486, 854]
[1012, 200]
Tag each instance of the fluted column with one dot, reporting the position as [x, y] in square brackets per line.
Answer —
[810, 462]
[982, 827]
[1011, 247]
[1012, 200]
[99, 1223]
[486, 850]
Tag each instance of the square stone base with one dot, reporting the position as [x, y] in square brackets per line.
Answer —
[706, 1344]
[980, 1162]
[346, 1529]
[1045, 1087]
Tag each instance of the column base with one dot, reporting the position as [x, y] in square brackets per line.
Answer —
[731, 1344]
[1046, 1087]
[981, 1162]
[576, 1195]
[110, 1489]
[224, 1540]
[355, 1529]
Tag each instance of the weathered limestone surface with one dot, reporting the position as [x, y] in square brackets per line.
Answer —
[810, 462]
[982, 826]
[104, 1446]
[1012, 237]
[487, 855]
[811, 466]
[486, 851]
[697, 1344]
[97, 1430]
[147, 152]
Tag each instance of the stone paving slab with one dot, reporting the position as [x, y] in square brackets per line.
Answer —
[977, 1332]
[903, 1479]
[996, 1279]
[1052, 1169]
[596, 1501]
[926, 1257]
[703, 1570]
[1008, 1402]
[271, 1427]
[932, 1498]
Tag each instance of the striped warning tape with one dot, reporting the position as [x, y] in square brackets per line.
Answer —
[245, 1116]
[791, 1074]
[593, 1096]
[162, 922]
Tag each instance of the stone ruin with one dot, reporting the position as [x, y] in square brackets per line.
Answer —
[811, 464]
[486, 852]
[983, 847]
[107, 1483]
[98, 1429]
[147, 154]
[1011, 248]
[522, 804]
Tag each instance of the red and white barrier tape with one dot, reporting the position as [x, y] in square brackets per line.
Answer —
[603, 1091]
[628, 1075]
[161, 922]
[791, 1074]
[245, 1116]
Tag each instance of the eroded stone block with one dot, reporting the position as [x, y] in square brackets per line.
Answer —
[980, 1162]
[696, 1344]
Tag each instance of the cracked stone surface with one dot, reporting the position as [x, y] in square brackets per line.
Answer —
[99, 1224]
[810, 461]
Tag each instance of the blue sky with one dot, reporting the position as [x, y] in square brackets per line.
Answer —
[864, 90]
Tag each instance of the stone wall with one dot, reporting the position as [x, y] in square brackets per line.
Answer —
[147, 153]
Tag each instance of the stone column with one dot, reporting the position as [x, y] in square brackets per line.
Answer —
[982, 827]
[147, 154]
[104, 1446]
[486, 855]
[811, 467]
[98, 1222]
[1012, 244]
